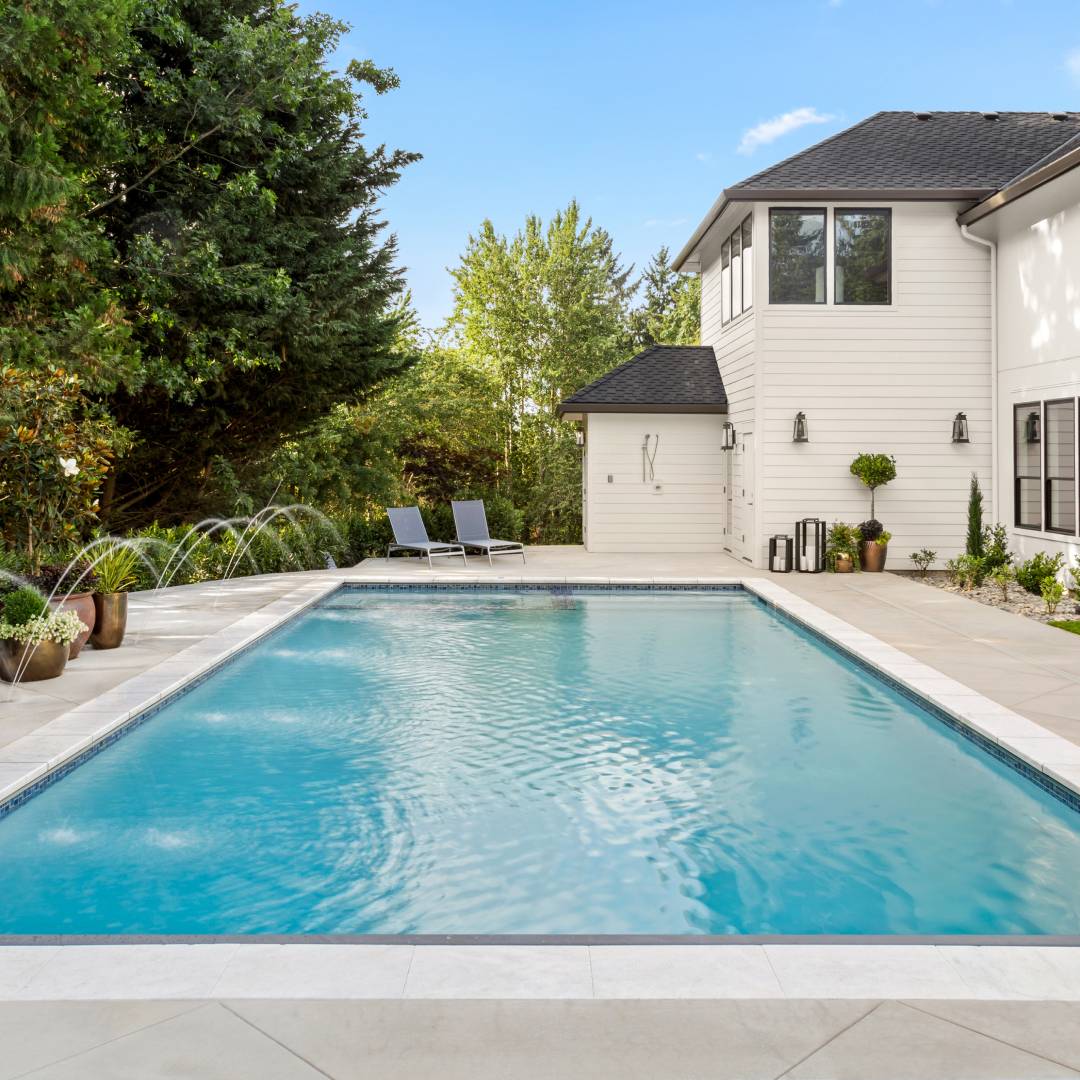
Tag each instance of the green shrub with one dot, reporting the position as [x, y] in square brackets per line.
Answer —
[967, 571]
[1053, 592]
[923, 560]
[1031, 574]
[1003, 577]
[22, 605]
[995, 547]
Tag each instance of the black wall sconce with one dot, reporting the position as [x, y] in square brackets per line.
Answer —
[800, 432]
[960, 428]
[1031, 428]
[728, 442]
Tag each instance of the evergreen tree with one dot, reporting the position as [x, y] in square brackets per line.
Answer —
[975, 546]
[243, 215]
[671, 310]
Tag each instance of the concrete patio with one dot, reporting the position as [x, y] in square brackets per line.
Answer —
[796, 1013]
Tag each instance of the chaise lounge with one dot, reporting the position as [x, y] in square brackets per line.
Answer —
[470, 520]
[410, 534]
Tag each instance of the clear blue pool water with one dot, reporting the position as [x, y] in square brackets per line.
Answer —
[602, 763]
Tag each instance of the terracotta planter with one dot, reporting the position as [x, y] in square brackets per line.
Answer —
[46, 660]
[111, 620]
[82, 603]
[843, 564]
[872, 556]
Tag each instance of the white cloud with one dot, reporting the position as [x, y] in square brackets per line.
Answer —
[770, 130]
[1072, 64]
[703, 155]
[666, 223]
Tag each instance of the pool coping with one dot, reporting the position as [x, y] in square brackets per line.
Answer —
[84, 730]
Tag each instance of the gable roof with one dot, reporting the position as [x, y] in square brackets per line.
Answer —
[906, 155]
[663, 378]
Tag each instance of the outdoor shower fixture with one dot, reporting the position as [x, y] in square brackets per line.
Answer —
[728, 439]
[648, 459]
[960, 428]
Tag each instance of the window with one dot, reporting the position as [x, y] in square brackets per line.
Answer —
[725, 281]
[861, 239]
[796, 256]
[747, 262]
[1059, 442]
[736, 273]
[1027, 458]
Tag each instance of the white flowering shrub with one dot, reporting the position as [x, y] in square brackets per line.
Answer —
[62, 627]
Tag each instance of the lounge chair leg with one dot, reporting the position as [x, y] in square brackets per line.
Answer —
[490, 563]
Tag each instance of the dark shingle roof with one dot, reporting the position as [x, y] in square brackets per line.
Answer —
[664, 378]
[961, 152]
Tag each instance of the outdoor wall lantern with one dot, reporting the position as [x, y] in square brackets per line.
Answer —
[1031, 427]
[728, 442]
[960, 428]
[800, 432]
[579, 436]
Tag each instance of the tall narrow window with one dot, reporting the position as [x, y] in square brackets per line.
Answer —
[796, 256]
[748, 262]
[725, 282]
[736, 273]
[862, 257]
[1059, 441]
[1027, 458]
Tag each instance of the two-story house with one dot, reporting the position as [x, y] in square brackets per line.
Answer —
[908, 286]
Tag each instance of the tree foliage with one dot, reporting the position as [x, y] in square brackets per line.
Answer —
[243, 214]
[670, 312]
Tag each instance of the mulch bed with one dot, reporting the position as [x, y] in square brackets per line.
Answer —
[1020, 601]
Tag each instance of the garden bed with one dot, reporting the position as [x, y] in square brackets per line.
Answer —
[1020, 601]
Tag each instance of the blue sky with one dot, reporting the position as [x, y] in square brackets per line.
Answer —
[645, 111]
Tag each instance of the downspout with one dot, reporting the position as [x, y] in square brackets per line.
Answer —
[995, 478]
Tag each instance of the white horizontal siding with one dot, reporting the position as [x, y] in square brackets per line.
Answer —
[886, 380]
[682, 509]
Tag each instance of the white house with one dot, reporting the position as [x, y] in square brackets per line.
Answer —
[913, 271]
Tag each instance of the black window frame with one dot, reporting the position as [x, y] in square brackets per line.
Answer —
[1028, 408]
[726, 244]
[824, 212]
[748, 220]
[1047, 479]
[887, 211]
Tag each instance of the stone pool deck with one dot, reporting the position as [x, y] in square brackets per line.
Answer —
[240, 1010]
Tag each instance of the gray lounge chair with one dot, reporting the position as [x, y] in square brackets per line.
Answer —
[411, 535]
[472, 531]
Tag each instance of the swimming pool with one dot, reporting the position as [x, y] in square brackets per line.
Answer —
[541, 762]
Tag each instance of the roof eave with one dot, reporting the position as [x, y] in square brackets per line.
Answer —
[1012, 192]
[571, 410]
[705, 225]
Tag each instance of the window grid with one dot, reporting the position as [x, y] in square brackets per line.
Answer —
[1027, 467]
[1059, 465]
[737, 271]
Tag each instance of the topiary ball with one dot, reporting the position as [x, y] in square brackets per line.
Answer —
[22, 605]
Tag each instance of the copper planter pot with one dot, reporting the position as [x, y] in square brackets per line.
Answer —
[45, 660]
[111, 620]
[82, 603]
[843, 564]
[872, 556]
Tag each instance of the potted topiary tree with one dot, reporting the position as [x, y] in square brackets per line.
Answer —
[117, 573]
[34, 641]
[874, 470]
